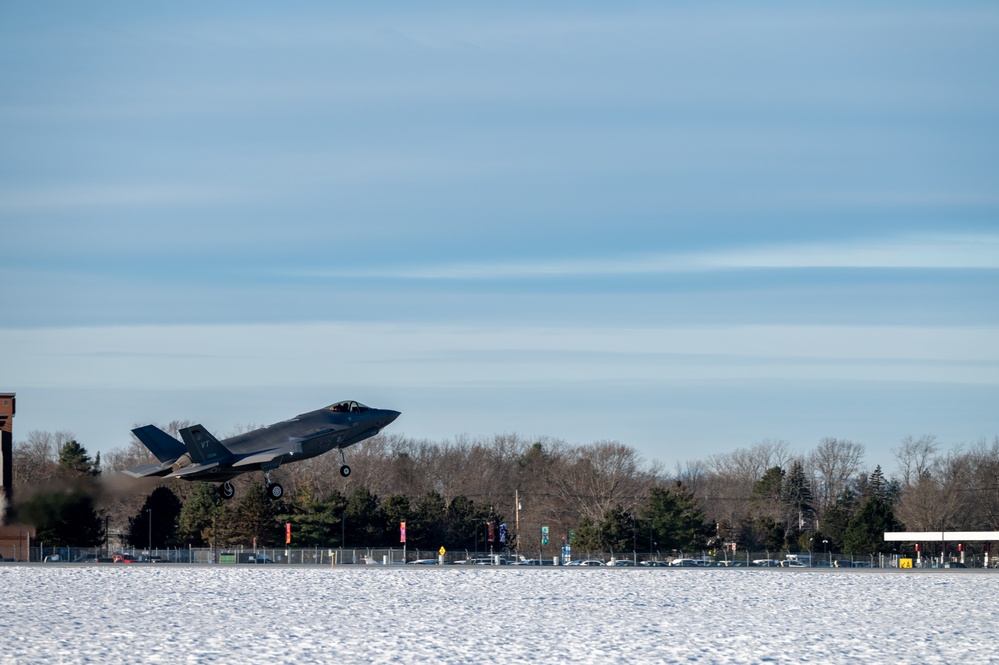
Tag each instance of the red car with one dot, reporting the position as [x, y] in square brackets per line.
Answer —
[125, 558]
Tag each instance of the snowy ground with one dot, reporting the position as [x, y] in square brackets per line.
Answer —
[166, 613]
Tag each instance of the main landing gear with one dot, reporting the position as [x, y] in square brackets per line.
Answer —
[344, 469]
[274, 490]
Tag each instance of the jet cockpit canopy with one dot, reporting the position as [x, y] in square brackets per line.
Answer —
[348, 407]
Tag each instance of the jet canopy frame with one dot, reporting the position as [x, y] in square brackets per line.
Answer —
[348, 406]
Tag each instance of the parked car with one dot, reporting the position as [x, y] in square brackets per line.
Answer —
[766, 563]
[621, 563]
[423, 562]
[792, 563]
[686, 563]
[124, 558]
[533, 562]
[483, 561]
[586, 562]
[93, 558]
[843, 563]
[652, 563]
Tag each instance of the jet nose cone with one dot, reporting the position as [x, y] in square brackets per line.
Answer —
[390, 416]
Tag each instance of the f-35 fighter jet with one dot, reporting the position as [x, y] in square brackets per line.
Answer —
[203, 457]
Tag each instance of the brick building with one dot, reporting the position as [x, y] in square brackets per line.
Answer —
[7, 404]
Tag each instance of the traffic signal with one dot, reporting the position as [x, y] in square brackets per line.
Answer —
[960, 547]
[917, 547]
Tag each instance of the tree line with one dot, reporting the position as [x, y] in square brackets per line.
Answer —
[500, 492]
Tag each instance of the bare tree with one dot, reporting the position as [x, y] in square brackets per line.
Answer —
[914, 457]
[602, 476]
[835, 463]
[940, 499]
[725, 492]
[985, 482]
[36, 460]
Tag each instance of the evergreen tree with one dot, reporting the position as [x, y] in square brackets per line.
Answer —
[865, 532]
[877, 485]
[834, 522]
[396, 509]
[429, 522]
[771, 524]
[256, 519]
[202, 520]
[365, 523]
[464, 524]
[767, 534]
[587, 537]
[164, 508]
[770, 486]
[797, 499]
[618, 531]
[75, 462]
[673, 520]
[315, 522]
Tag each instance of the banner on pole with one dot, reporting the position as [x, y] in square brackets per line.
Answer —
[402, 532]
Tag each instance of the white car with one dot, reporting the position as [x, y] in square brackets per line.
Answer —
[792, 563]
[766, 563]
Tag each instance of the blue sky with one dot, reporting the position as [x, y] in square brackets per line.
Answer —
[686, 227]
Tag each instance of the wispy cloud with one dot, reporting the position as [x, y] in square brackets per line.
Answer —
[915, 252]
[419, 355]
[75, 196]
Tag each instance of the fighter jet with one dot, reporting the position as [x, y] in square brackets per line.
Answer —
[203, 457]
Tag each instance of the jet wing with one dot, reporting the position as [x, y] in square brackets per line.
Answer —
[146, 470]
[194, 470]
[264, 457]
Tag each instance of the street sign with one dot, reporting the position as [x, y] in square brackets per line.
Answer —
[442, 551]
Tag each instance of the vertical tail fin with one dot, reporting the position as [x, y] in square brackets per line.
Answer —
[203, 446]
[162, 445]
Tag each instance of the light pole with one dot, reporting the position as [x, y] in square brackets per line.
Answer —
[825, 551]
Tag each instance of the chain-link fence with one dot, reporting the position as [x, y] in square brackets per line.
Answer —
[388, 556]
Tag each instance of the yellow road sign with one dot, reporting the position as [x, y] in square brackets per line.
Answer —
[905, 563]
[442, 550]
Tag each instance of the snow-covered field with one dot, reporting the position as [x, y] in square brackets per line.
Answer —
[372, 614]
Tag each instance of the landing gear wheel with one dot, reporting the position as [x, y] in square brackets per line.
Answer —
[344, 470]
[275, 491]
[227, 490]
